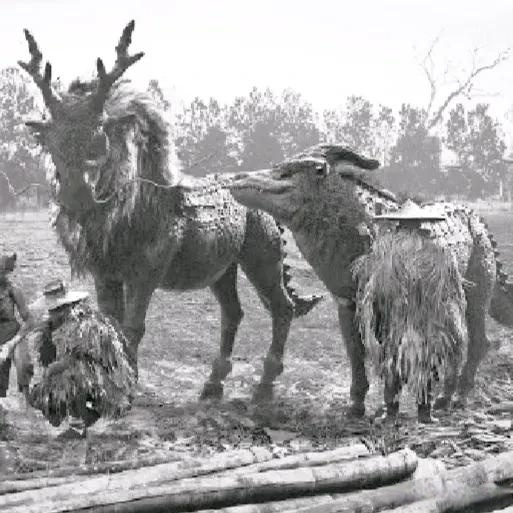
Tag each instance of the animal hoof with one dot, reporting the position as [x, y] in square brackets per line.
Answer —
[391, 412]
[424, 415]
[264, 393]
[71, 434]
[460, 402]
[442, 403]
[212, 391]
[427, 419]
[356, 411]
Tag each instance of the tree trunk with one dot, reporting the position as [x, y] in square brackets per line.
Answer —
[104, 495]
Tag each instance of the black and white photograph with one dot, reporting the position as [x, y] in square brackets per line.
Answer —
[256, 256]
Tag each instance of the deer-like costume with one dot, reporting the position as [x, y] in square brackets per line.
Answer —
[127, 215]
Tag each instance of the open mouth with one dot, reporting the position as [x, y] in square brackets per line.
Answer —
[253, 185]
[267, 190]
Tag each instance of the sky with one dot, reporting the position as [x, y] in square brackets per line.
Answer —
[323, 49]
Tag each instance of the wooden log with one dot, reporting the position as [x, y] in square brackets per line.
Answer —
[498, 468]
[306, 459]
[102, 467]
[491, 470]
[164, 472]
[53, 477]
[99, 495]
[503, 407]
[488, 493]
[275, 506]
[460, 499]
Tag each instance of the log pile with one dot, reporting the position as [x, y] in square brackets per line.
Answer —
[347, 479]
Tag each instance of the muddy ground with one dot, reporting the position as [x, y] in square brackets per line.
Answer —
[311, 396]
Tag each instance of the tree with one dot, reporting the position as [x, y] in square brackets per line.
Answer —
[204, 145]
[415, 157]
[267, 127]
[462, 86]
[383, 128]
[361, 128]
[20, 156]
[157, 94]
[475, 138]
[261, 147]
[352, 126]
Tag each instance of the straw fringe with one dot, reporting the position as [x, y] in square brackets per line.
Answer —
[91, 367]
[410, 307]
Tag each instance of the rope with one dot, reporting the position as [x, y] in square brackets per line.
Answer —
[13, 191]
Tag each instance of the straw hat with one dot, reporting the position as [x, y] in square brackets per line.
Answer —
[56, 295]
[410, 211]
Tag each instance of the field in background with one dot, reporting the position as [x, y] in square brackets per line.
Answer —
[182, 339]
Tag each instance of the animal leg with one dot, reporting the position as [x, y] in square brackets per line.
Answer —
[477, 347]
[481, 272]
[137, 299]
[424, 404]
[110, 297]
[225, 290]
[393, 385]
[266, 276]
[451, 376]
[282, 312]
[356, 354]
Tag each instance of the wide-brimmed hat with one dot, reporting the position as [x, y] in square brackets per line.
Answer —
[55, 295]
[7, 262]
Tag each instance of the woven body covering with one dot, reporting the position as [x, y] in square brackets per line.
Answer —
[82, 368]
[410, 306]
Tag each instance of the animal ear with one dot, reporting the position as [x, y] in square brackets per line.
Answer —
[113, 122]
[322, 169]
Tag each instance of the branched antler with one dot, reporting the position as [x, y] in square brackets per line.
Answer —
[33, 68]
[123, 62]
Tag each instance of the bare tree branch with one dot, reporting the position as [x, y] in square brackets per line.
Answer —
[428, 59]
[464, 88]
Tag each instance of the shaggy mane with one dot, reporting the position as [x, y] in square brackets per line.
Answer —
[140, 147]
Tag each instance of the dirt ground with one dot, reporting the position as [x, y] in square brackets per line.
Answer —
[311, 396]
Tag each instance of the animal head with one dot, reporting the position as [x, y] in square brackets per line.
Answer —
[78, 133]
[308, 179]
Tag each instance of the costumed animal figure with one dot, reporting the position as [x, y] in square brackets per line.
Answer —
[323, 195]
[12, 299]
[83, 369]
[126, 214]
[410, 306]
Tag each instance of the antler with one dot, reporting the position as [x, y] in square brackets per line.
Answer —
[123, 62]
[33, 68]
